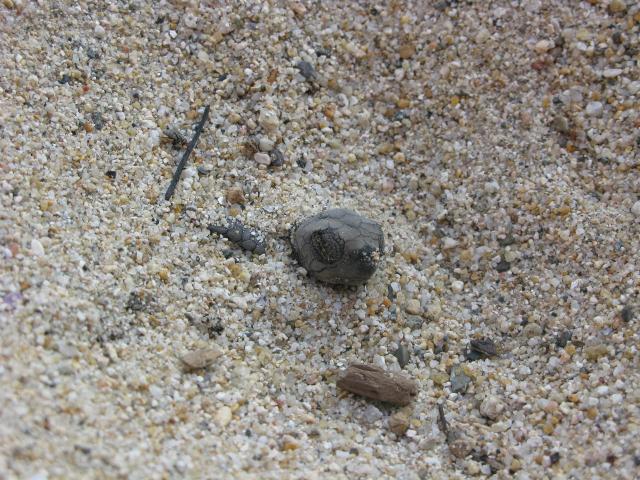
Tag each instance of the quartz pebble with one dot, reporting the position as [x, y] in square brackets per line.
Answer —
[36, 248]
[491, 407]
[262, 158]
[413, 307]
[594, 109]
[494, 143]
[223, 416]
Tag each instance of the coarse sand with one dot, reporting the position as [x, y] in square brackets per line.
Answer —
[496, 142]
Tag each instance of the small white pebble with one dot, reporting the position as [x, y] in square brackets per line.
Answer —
[543, 45]
[99, 31]
[457, 286]
[223, 416]
[611, 72]
[262, 158]
[153, 139]
[602, 390]
[491, 187]
[449, 243]
[594, 109]
[491, 407]
[635, 209]
[36, 248]
[413, 307]
[266, 144]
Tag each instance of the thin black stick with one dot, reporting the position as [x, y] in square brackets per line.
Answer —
[442, 421]
[185, 157]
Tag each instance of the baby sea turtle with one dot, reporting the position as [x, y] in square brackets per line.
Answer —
[338, 246]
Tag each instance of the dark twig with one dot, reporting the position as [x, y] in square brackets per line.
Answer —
[185, 157]
[442, 421]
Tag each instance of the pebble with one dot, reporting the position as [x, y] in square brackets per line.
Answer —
[414, 322]
[532, 330]
[457, 286]
[153, 138]
[223, 416]
[617, 6]
[594, 352]
[277, 158]
[268, 119]
[36, 248]
[235, 195]
[449, 243]
[306, 70]
[594, 109]
[402, 354]
[611, 72]
[491, 407]
[413, 307]
[543, 46]
[262, 158]
[266, 144]
[201, 358]
[459, 379]
[635, 209]
[560, 124]
[399, 423]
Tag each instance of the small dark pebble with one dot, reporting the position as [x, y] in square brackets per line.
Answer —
[617, 38]
[159, 20]
[554, 458]
[301, 162]
[306, 70]
[414, 322]
[323, 52]
[98, 121]
[503, 266]
[441, 346]
[277, 158]
[135, 303]
[227, 253]
[215, 329]
[402, 354]
[64, 79]
[563, 338]
[479, 349]
[203, 171]
[92, 54]
[111, 174]
[223, 77]
[442, 5]
[459, 380]
[627, 313]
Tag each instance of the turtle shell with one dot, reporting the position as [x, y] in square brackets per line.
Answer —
[338, 246]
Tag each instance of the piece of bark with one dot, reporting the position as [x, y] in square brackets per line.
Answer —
[373, 382]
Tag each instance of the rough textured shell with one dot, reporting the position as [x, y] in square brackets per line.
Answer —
[338, 246]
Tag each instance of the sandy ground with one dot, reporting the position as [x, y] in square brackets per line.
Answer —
[496, 143]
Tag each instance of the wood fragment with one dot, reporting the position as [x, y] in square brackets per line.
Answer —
[201, 358]
[374, 383]
[187, 153]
